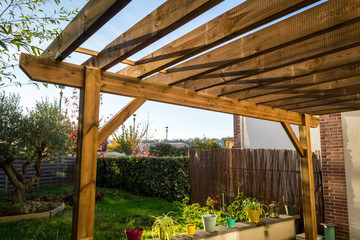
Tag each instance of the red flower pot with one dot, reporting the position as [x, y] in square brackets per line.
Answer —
[133, 234]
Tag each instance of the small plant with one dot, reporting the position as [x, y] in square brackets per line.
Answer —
[164, 227]
[253, 209]
[235, 209]
[210, 202]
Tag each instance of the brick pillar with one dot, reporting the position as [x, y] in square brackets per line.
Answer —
[237, 131]
[333, 173]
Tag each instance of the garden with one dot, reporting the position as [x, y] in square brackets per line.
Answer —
[117, 210]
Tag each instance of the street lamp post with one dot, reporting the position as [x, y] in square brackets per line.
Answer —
[61, 89]
[167, 129]
[133, 143]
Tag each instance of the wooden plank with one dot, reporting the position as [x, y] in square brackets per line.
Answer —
[95, 54]
[119, 119]
[307, 182]
[90, 19]
[85, 172]
[25, 216]
[293, 138]
[239, 20]
[338, 107]
[323, 102]
[163, 20]
[46, 70]
[339, 88]
[301, 59]
[287, 32]
[269, 92]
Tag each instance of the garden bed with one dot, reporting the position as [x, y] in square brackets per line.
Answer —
[37, 210]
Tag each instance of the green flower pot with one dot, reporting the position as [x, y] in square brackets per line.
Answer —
[230, 222]
[290, 210]
[209, 222]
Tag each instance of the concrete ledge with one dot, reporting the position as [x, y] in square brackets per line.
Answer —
[278, 229]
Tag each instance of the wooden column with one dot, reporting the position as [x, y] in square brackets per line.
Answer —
[307, 181]
[85, 170]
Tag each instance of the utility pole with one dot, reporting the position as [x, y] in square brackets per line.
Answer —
[133, 143]
[167, 129]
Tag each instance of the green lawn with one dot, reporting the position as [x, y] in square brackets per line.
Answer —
[113, 213]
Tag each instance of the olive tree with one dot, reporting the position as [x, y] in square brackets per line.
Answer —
[41, 133]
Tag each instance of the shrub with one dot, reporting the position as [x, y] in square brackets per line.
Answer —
[165, 177]
[165, 149]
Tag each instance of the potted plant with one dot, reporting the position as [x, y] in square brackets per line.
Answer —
[164, 227]
[289, 208]
[253, 209]
[189, 212]
[209, 220]
[133, 232]
[235, 211]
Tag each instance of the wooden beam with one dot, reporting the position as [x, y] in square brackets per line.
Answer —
[301, 59]
[119, 119]
[90, 19]
[95, 54]
[354, 105]
[331, 110]
[269, 92]
[323, 102]
[46, 70]
[85, 177]
[339, 88]
[307, 182]
[163, 20]
[287, 32]
[293, 138]
[239, 20]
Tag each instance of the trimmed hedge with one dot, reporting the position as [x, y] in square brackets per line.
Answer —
[165, 177]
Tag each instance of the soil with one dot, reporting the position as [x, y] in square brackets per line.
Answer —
[8, 209]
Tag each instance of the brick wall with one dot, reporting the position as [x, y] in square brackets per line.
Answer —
[237, 132]
[333, 171]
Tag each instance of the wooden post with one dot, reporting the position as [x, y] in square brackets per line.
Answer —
[307, 181]
[85, 169]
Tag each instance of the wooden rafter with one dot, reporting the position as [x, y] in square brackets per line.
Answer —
[268, 92]
[338, 88]
[282, 34]
[119, 119]
[241, 19]
[166, 18]
[95, 54]
[46, 70]
[91, 17]
[302, 58]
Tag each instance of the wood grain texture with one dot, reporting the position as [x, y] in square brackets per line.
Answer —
[90, 18]
[307, 181]
[119, 119]
[328, 50]
[163, 20]
[270, 92]
[321, 19]
[293, 138]
[239, 20]
[85, 177]
[39, 70]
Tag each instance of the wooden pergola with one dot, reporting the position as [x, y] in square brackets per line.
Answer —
[305, 65]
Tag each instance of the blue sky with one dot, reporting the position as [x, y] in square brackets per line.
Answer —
[183, 122]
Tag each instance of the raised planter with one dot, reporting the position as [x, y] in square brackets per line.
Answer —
[48, 214]
[282, 228]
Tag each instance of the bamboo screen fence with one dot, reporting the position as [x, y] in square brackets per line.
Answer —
[267, 174]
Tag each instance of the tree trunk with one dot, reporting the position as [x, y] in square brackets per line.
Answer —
[19, 195]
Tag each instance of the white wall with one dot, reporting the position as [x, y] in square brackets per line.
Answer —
[351, 133]
[266, 134]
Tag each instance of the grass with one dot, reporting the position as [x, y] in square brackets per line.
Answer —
[113, 213]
